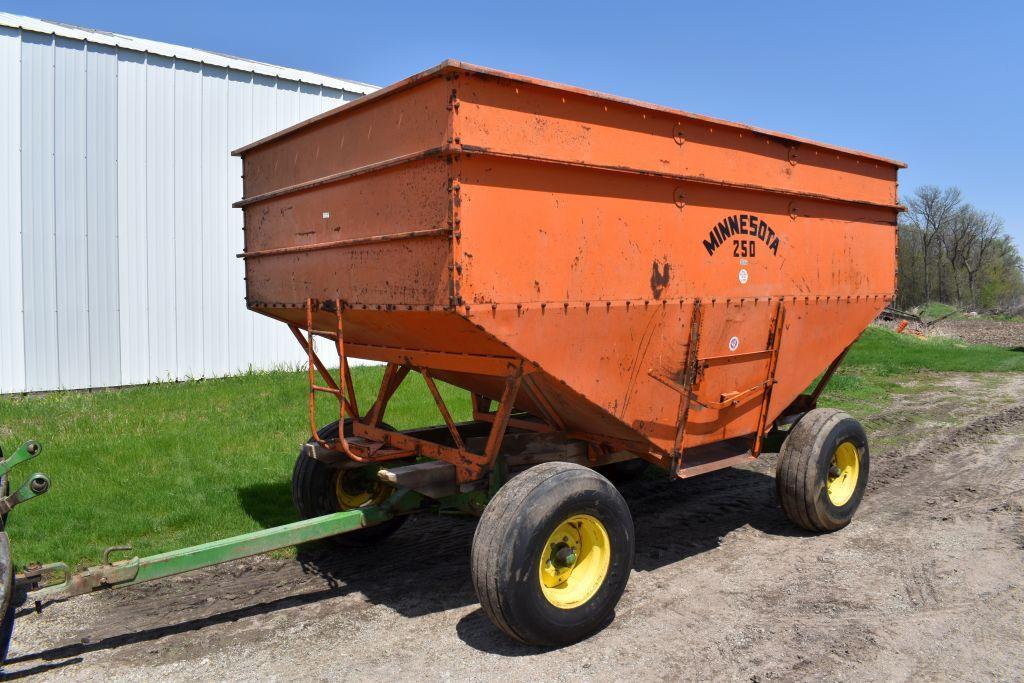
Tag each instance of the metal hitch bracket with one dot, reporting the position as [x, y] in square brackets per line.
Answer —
[28, 450]
[34, 486]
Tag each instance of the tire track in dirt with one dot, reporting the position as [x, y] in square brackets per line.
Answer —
[963, 460]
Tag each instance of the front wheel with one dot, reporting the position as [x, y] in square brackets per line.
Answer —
[320, 489]
[823, 470]
[552, 554]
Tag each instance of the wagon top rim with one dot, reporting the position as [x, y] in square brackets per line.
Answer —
[454, 65]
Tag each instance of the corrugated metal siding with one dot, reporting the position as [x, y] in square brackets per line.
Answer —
[101, 216]
[117, 236]
[133, 285]
[69, 208]
[38, 243]
[12, 321]
[216, 222]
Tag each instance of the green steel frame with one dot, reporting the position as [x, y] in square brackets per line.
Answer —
[141, 569]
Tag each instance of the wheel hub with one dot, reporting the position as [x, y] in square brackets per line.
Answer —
[564, 556]
[356, 488]
[574, 561]
[843, 474]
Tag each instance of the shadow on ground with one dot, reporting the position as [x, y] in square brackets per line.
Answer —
[422, 569]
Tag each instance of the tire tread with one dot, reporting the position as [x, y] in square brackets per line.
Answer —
[797, 474]
[491, 531]
[497, 556]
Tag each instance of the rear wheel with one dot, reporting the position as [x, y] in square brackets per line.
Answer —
[552, 554]
[320, 489]
[823, 470]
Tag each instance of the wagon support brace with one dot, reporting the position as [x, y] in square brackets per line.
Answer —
[345, 402]
[774, 344]
[443, 409]
[549, 419]
[694, 367]
[686, 390]
[374, 444]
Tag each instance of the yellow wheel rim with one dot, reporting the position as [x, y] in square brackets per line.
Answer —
[843, 474]
[358, 488]
[574, 561]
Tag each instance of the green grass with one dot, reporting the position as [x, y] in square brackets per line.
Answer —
[934, 309]
[1004, 318]
[169, 465]
[881, 363]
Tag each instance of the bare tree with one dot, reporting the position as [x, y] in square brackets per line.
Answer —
[930, 211]
[957, 241]
[953, 252]
[981, 232]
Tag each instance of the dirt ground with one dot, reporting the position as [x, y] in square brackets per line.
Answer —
[1008, 334]
[974, 331]
[927, 583]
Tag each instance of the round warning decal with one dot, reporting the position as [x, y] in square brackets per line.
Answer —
[734, 343]
[743, 276]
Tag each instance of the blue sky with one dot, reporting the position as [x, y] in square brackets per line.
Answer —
[937, 85]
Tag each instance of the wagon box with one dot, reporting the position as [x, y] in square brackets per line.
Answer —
[465, 214]
[615, 283]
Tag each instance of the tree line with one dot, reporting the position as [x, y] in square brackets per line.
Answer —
[955, 253]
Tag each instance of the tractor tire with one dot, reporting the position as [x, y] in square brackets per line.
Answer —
[5, 490]
[552, 554]
[319, 489]
[6, 598]
[823, 470]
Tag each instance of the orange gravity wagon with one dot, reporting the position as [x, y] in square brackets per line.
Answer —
[616, 284]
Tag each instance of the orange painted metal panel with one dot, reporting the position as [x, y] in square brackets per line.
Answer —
[373, 132]
[514, 118]
[581, 235]
[343, 214]
[363, 206]
[493, 217]
[391, 334]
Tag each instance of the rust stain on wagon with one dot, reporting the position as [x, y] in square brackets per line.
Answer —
[660, 277]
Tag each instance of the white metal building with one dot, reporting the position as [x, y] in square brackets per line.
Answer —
[117, 236]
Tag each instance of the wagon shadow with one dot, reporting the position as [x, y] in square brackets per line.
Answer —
[678, 519]
[424, 568]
